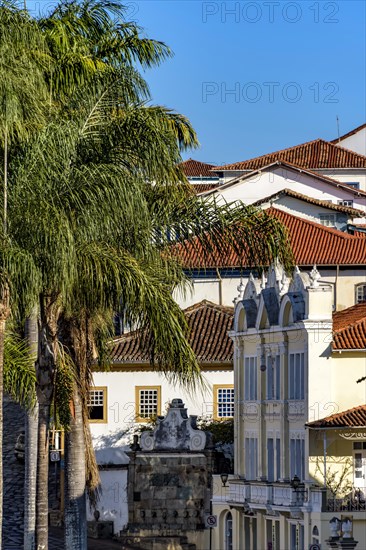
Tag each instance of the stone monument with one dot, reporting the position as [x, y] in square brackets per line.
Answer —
[169, 483]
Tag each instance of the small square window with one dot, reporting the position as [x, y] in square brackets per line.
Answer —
[346, 203]
[328, 220]
[148, 402]
[360, 294]
[97, 405]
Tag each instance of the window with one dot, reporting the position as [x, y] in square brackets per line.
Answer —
[251, 458]
[346, 203]
[270, 460]
[354, 184]
[360, 294]
[228, 531]
[148, 402]
[97, 405]
[328, 220]
[250, 379]
[296, 376]
[296, 536]
[297, 458]
[223, 400]
[273, 377]
[278, 458]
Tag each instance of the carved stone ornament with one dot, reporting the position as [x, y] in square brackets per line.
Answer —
[175, 432]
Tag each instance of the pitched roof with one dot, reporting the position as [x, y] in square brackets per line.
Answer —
[349, 328]
[352, 418]
[349, 134]
[311, 243]
[203, 187]
[326, 204]
[196, 169]
[208, 324]
[289, 166]
[315, 154]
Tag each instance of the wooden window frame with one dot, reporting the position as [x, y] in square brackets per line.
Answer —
[138, 418]
[104, 420]
[216, 388]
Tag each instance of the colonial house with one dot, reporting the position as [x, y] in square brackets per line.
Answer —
[253, 185]
[132, 391]
[296, 361]
[319, 156]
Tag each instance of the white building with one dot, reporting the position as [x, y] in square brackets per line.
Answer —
[288, 372]
[355, 140]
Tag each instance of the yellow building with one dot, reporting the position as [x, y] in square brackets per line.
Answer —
[293, 364]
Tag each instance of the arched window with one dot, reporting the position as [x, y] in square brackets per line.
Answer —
[315, 534]
[360, 294]
[229, 531]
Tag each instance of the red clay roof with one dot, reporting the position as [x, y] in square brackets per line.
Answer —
[326, 204]
[352, 418]
[196, 169]
[203, 187]
[208, 324]
[315, 154]
[349, 134]
[349, 328]
[311, 243]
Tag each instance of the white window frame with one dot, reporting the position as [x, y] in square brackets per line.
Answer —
[250, 379]
[360, 293]
[346, 202]
[328, 220]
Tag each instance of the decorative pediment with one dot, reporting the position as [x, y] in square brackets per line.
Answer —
[175, 432]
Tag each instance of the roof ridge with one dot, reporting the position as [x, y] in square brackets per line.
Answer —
[341, 413]
[212, 305]
[273, 152]
[350, 133]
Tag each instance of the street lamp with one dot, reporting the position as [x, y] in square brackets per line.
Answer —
[298, 486]
[224, 477]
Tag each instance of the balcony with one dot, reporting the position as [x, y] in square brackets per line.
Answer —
[263, 495]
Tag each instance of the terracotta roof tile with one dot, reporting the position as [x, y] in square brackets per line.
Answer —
[315, 154]
[326, 204]
[203, 187]
[311, 243]
[208, 324]
[196, 169]
[349, 328]
[352, 418]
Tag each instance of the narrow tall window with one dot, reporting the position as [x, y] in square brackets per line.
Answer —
[278, 458]
[297, 458]
[251, 458]
[250, 379]
[273, 377]
[296, 376]
[270, 460]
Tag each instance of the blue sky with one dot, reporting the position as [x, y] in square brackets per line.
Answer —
[257, 76]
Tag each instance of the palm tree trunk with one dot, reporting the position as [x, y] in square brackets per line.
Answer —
[4, 314]
[31, 435]
[5, 206]
[75, 508]
[45, 371]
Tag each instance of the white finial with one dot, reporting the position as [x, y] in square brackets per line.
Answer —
[314, 277]
[284, 284]
[264, 280]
